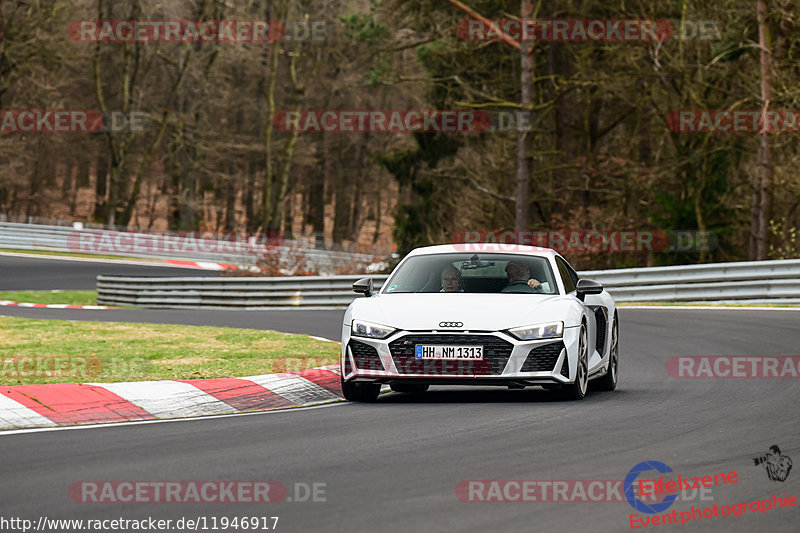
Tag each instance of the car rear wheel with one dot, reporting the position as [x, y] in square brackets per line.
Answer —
[609, 381]
[577, 389]
[360, 392]
[410, 388]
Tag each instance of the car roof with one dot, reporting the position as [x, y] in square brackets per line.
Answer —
[482, 247]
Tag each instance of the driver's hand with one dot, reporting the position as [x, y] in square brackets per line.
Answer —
[532, 283]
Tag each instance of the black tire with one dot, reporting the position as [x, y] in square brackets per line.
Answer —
[360, 392]
[410, 388]
[609, 381]
[577, 389]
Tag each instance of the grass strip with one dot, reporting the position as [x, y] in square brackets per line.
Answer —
[51, 297]
[60, 351]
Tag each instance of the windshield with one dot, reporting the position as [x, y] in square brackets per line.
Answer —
[473, 273]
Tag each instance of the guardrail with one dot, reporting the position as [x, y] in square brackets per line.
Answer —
[745, 281]
[241, 293]
[68, 239]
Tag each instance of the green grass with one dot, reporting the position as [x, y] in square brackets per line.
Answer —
[708, 304]
[51, 297]
[60, 351]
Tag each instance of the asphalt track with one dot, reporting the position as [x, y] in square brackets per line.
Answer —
[395, 465]
[320, 323]
[37, 274]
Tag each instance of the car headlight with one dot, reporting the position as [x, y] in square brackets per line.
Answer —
[361, 328]
[551, 330]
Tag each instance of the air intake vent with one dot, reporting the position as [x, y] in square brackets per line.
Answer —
[543, 358]
[365, 356]
[602, 324]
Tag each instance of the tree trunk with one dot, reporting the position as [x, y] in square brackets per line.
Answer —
[230, 196]
[524, 144]
[316, 197]
[342, 186]
[187, 212]
[763, 192]
[101, 186]
[378, 213]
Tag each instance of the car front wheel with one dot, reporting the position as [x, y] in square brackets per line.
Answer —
[577, 389]
[360, 392]
[609, 381]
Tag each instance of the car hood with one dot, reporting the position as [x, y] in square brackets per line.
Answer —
[475, 311]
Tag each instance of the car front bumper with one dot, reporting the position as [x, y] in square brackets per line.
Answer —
[506, 360]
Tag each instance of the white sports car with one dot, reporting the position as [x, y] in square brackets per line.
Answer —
[504, 315]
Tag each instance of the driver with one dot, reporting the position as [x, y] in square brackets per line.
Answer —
[520, 280]
[451, 279]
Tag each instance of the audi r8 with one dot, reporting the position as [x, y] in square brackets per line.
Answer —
[514, 316]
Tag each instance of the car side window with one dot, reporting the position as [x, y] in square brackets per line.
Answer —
[564, 269]
[574, 275]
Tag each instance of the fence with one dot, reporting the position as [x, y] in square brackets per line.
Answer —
[54, 238]
[776, 281]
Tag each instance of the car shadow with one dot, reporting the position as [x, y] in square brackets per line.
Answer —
[486, 395]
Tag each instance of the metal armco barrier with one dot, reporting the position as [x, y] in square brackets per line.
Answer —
[745, 281]
[66, 239]
[237, 293]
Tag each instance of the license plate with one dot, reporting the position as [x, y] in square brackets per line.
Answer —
[425, 351]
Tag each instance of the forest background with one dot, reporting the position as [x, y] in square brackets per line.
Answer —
[599, 153]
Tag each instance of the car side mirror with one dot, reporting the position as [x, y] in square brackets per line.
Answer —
[588, 286]
[363, 286]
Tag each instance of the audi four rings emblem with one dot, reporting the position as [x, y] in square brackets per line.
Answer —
[450, 324]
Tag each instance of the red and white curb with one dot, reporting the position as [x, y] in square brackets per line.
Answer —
[144, 261]
[201, 264]
[69, 404]
[9, 303]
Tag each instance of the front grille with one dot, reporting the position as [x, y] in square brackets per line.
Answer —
[496, 352]
[543, 358]
[600, 317]
[365, 356]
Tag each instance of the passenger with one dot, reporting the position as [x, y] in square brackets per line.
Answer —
[451, 279]
[520, 280]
